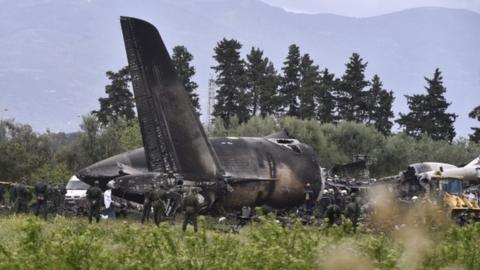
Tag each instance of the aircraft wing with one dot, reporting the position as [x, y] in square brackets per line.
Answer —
[173, 137]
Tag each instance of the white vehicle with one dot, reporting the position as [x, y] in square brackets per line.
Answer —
[76, 190]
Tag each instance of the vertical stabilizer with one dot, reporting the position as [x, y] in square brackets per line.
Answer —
[173, 137]
[474, 162]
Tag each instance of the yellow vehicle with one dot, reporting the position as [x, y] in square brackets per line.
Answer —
[448, 192]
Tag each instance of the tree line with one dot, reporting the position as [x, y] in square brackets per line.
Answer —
[254, 99]
[252, 86]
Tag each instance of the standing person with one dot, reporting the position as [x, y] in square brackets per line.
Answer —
[191, 208]
[107, 201]
[147, 203]
[13, 194]
[334, 214]
[324, 202]
[157, 200]
[308, 199]
[22, 197]
[94, 196]
[52, 196]
[2, 194]
[352, 211]
[41, 189]
[62, 191]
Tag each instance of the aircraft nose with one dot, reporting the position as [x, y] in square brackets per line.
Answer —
[105, 169]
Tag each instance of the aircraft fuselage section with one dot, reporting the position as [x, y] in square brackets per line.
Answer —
[260, 170]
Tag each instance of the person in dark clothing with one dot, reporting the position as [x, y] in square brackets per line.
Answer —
[334, 214]
[147, 203]
[352, 212]
[191, 207]
[13, 194]
[22, 197]
[158, 203]
[2, 194]
[41, 189]
[94, 196]
[62, 191]
[309, 201]
[325, 201]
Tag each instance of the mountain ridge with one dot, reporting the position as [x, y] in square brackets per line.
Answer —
[56, 61]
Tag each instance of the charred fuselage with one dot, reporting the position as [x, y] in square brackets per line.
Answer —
[260, 171]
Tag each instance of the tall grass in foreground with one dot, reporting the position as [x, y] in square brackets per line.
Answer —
[30, 243]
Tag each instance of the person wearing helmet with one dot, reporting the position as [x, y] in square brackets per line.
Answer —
[94, 196]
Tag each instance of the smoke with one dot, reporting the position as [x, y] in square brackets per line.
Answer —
[344, 256]
[387, 212]
[409, 223]
[416, 245]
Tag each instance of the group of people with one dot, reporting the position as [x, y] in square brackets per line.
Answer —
[156, 198]
[333, 204]
[48, 197]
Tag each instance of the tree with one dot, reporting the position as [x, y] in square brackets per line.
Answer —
[379, 106]
[181, 59]
[269, 99]
[262, 83]
[309, 86]
[22, 151]
[325, 98]
[350, 95]
[231, 97]
[428, 112]
[290, 81]
[119, 101]
[475, 114]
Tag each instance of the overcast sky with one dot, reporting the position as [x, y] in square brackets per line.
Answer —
[366, 8]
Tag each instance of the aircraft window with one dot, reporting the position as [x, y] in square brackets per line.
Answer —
[295, 148]
[290, 144]
[284, 141]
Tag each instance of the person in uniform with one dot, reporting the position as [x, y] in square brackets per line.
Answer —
[62, 191]
[2, 194]
[324, 202]
[158, 203]
[147, 203]
[309, 201]
[352, 211]
[22, 197]
[13, 194]
[41, 189]
[334, 214]
[94, 196]
[191, 207]
[52, 196]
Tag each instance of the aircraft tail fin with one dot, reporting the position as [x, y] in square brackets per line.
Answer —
[474, 162]
[173, 137]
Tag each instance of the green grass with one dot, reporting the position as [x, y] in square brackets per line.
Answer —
[69, 243]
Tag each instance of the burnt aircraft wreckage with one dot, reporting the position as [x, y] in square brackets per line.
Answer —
[232, 172]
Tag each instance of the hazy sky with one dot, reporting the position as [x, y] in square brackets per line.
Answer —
[366, 8]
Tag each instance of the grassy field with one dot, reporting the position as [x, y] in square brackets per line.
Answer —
[69, 243]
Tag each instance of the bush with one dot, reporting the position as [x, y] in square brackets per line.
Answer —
[31, 243]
